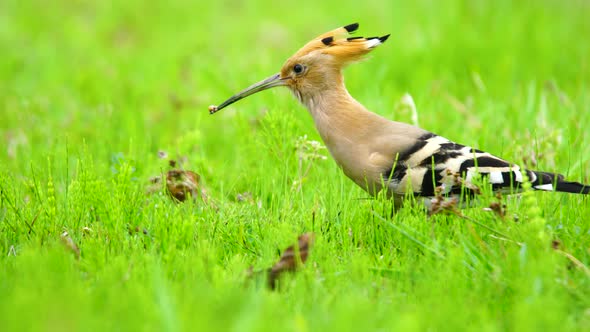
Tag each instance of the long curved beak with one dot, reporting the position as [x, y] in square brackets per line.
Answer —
[271, 82]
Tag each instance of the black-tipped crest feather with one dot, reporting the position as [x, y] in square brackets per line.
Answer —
[328, 40]
[351, 27]
[384, 38]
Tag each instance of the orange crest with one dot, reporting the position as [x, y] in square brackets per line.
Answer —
[340, 45]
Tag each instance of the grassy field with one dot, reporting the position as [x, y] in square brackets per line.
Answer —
[92, 93]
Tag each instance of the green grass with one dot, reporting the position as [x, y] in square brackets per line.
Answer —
[91, 91]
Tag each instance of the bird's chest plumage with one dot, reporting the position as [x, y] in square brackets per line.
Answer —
[353, 152]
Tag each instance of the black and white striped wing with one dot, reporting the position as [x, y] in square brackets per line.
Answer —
[434, 161]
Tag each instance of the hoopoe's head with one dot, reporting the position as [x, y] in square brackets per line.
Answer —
[316, 66]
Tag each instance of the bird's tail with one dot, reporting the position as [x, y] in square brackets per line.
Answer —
[556, 182]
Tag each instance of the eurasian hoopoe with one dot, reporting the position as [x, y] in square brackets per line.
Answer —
[377, 153]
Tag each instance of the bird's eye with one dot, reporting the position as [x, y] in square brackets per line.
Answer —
[298, 69]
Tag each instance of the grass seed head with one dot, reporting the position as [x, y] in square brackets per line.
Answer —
[69, 243]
